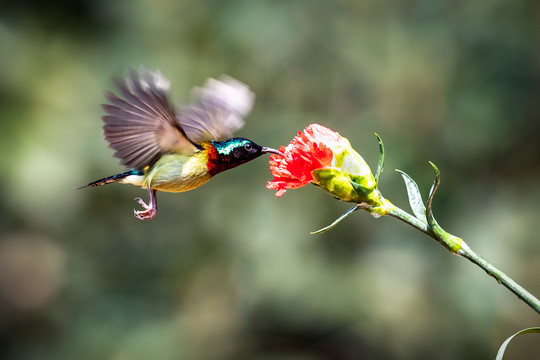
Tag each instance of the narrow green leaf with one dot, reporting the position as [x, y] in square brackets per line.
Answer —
[451, 242]
[429, 211]
[337, 221]
[415, 198]
[502, 349]
[380, 165]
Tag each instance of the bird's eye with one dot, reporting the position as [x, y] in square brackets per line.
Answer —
[248, 147]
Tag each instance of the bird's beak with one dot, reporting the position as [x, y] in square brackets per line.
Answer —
[271, 151]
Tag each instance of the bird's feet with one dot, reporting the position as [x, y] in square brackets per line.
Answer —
[149, 212]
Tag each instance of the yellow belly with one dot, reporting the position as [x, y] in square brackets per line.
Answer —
[178, 173]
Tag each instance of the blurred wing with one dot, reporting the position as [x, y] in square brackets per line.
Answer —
[140, 124]
[217, 110]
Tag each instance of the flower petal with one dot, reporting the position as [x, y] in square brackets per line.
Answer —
[306, 152]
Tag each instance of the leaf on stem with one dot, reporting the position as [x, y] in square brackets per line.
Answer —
[451, 242]
[337, 221]
[415, 198]
[380, 165]
[429, 211]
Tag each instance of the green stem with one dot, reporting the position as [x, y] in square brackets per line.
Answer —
[407, 218]
[466, 252]
[501, 278]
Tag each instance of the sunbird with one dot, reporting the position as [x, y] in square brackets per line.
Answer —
[175, 151]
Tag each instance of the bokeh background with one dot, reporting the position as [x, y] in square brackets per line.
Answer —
[229, 271]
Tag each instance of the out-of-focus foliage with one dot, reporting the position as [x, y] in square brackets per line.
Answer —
[228, 271]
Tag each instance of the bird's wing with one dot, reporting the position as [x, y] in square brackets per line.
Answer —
[140, 124]
[216, 110]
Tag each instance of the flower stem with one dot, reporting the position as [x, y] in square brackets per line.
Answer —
[407, 218]
[501, 278]
[466, 252]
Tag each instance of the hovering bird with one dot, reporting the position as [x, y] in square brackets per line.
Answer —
[175, 151]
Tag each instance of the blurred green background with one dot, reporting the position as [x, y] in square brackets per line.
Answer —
[229, 271]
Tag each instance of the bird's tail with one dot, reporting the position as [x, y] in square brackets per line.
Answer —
[114, 178]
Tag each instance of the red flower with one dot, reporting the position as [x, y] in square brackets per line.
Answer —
[312, 149]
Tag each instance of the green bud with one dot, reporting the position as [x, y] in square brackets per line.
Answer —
[351, 188]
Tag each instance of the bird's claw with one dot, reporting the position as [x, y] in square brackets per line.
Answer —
[145, 215]
[148, 213]
[141, 202]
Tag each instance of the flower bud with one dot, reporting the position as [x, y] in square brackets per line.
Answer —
[324, 158]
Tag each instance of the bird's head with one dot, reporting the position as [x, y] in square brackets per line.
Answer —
[224, 155]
